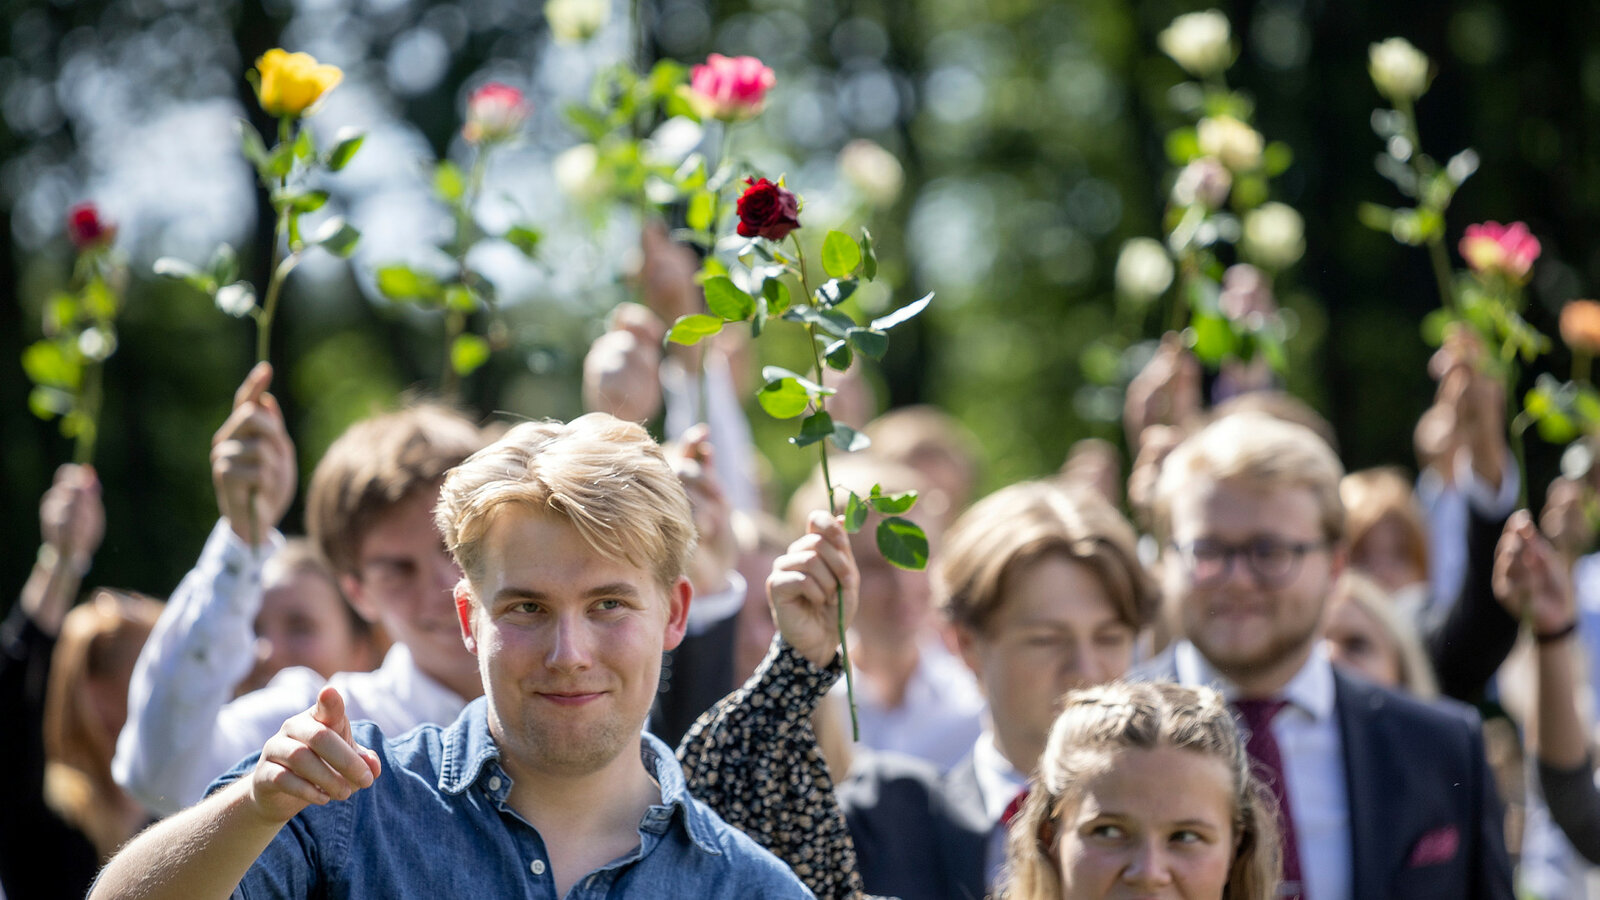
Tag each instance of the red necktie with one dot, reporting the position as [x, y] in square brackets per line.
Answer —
[1257, 716]
[1012, 808]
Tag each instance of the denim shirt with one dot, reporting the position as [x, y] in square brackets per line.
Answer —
[436, 824]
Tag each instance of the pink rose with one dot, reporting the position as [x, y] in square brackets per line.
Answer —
[1506, 249]
[494, 112]
[730, 88]
[86, 229]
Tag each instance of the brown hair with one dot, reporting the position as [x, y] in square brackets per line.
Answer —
[1257, 449]
[1014, 526]
[604, 476]
[99, 640]
[1097, 722]
[299, 555]
[374, 466]
[1372, 495]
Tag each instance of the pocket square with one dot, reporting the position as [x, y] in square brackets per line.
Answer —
[1437, 846]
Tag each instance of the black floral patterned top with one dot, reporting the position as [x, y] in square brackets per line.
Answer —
[754, 759]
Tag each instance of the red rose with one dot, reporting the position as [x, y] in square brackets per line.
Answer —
[767, 210]
[86, 229]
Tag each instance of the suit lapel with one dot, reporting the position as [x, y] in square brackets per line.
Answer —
[962, 833]
[1367, 788]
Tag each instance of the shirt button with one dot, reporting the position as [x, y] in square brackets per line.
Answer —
[536, 867]
[494, 782]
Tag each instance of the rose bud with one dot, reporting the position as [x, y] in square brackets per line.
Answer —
[495, 112]
[85, 227]
[1399, 71]
[290, 84]
[1274, 235]
[1199, 41]
[767, 210]
[1492, 248]
[1235, 144]
[730, 88]
[576, 21]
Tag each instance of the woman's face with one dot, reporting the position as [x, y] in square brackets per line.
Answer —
[1388, 553]
[1152, 824]
[303, 622]
[1360, 645]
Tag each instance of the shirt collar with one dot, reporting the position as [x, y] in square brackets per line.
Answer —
[998, 780]
[468, 750]
[1311, 690]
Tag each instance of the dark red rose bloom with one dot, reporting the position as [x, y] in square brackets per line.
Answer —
[85, 228]
[767, 210]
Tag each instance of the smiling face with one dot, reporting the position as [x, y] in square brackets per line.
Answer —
[1055, 629]
[1358, 643]
[406, 583]
[1154, 823]
[1254, 633]
[568, 642]
[304, 622]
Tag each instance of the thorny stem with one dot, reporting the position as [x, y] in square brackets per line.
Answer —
[833, 510]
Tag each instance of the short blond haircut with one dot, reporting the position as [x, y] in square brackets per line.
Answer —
[376, 465]
[1018, 525]
[605, 477]
[1261, 451]
[1098, 722]
[1372, 495]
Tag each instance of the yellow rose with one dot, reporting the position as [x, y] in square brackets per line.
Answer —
[288, 84]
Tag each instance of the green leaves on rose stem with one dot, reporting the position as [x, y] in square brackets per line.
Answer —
[467, 353]
[819, 425]
[787, 394]
[692, 329]
[869, 259]
[348, 142]
[337, 237]
[398, 281]
[524, 238]
[841, 255]
[449, 183]
[830, 321]
[903, 314]
[835, 291]
[724, 298]
[903, 543]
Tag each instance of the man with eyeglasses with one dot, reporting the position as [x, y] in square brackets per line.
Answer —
[1381, 796]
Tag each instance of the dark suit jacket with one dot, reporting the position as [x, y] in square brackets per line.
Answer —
[1425, 822]
[693, 678]
[918, 835]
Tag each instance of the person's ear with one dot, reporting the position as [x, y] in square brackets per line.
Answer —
[352, 587]
[678, 597]
[464, 609]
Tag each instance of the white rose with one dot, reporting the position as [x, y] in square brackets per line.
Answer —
[1235, 144]
[1199, 41]
[575, 21]
[1399, 70]
[873, 171]
[1274, 236]
[1144, 270]
[577, 173]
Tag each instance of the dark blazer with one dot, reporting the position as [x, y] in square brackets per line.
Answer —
[693, 678]
[1425, 822]
[918, 835]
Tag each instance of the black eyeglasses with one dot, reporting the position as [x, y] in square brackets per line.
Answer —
[1272, 562]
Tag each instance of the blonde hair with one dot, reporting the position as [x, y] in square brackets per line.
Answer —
[1416, 673]
[605, 477]
[374, 466]
[1262, 451]
[1094, 725]
[1373, 495]
[1017, 525]
[99, 641]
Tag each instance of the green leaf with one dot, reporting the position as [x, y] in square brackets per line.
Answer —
[848, 439]
[183, 270]
[892, 504]
[460, 298]
[692, 329]
[835, 291]
[280, 162]
[467, 353]
[345, 150]
[813, 428]
[840, 254]
[305, 201]
[592, 124]
[1276, 158]
[48, 402]
[1183, 146]
[401, 282]
[903, 543]
[903, 314]
[869, 258]
[1378, 218]
[254, 148]
[855, 513]
[47, 363]
[838, 355]
[525, 239]
[702, 205]
[784, 398]
[813, 390]
[869, 343]
[725, 299]
[831, 321]
[337, 237]
[224, 265]
[1213, 340]
[449, 183]
[305, 144]
[776, 294]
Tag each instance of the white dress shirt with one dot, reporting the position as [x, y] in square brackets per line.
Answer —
[998, 784]
[1307, 731]
[183, 730]
[938, 719]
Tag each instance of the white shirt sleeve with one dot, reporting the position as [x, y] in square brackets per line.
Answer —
[174, 742]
